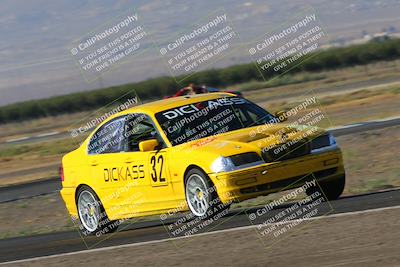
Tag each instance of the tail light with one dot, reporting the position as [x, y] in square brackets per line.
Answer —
[61, 173]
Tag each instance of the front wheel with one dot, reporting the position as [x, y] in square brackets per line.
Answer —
[332, 188]
[201, 195]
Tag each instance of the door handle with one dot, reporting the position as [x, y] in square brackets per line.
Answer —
[128, 160]
[94, 163]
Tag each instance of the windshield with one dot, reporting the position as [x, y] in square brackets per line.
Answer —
[202, 119]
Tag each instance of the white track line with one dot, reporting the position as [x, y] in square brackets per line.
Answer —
[30, 137]
[18, 139]
[363, 123]
[196, 235]
[346, 126]
[46, 134]
[386, 119]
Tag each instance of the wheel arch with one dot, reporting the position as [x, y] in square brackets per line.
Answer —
[97, 196]
[79, 187]
[191, 167]
[213, 191]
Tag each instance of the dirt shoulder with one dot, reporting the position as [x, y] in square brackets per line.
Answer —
[367, 239]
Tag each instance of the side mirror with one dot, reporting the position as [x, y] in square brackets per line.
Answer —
[148, 145]
[281, 115]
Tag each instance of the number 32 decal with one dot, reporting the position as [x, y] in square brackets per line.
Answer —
[157, 164]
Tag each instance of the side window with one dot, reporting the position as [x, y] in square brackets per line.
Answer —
[109, 138]
[139, 128]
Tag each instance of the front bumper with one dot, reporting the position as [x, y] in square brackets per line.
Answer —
[268, 178]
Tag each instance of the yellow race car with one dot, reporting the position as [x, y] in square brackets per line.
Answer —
[197, 153]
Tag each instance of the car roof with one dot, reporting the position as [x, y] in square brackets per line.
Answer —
[168, 103]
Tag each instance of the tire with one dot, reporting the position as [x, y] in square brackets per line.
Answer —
[332, 189]
[201, 196]
[92, 216]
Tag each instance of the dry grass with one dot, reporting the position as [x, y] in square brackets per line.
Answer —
[33, 216]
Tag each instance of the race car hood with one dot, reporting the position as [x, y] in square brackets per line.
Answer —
[254, 139]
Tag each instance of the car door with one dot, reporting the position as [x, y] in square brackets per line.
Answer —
[156, 185]
[114, 172]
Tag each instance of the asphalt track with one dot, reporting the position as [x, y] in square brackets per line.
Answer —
[23, 191]
[29, 190]
[65, 242]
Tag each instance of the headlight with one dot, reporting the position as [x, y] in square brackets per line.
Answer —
[332, 140]
[323, 143]
[222, 164]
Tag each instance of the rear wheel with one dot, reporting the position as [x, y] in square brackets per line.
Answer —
[91, 213]
[332, 188]
[201, 195]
